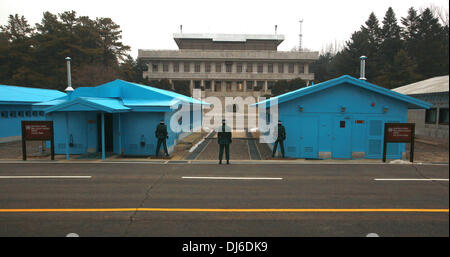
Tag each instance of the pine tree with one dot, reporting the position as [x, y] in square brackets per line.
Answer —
[431, 55]
[373, 31]
[391, 41]
[410, 31]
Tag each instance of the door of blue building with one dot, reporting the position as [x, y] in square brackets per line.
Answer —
[108, 132]
[309, 137]
[342, 135]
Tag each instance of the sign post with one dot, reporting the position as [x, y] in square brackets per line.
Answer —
[399, 133]
[37, 131]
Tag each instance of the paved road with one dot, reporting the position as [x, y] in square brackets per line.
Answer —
[205, 204]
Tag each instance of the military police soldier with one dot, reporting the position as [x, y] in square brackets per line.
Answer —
[280, 139]
[161, 134]
[224, 140]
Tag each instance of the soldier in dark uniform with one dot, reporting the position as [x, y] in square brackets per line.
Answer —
[161, 134]
[280, 139]
[224, 140]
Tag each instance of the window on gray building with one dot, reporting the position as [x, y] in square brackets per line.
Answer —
[197, 67]
[208, 84]
[228, 86]
[176, 67]
[259, 86]
[218, 67]
[291, 68]
[197, 84]
[187, 67]
[155, 67]
[239, 86]
[217, 86]
[270, 85]
[301, 68]
[249, 85]
[239, 67]
[260, 68]
[207, 67]
[165, 67]
[228, 66]
[430, 116]
[249, 67]
[281, 68]
[443, 116]
[270, 68]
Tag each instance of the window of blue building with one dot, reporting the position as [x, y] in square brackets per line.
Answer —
[4, 114]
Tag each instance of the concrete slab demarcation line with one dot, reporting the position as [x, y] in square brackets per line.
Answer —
[229, 210]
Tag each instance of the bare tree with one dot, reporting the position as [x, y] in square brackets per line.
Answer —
[438, 11]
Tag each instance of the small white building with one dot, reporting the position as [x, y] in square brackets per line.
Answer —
[431, 123]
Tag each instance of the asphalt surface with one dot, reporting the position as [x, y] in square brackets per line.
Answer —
[139, 188]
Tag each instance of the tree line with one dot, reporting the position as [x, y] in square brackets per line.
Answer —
[33, 56]
[398, 54]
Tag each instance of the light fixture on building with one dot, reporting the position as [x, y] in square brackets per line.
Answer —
[300, 108]
[71, 141]
[385, 109]
[142, 141]
[342, 108]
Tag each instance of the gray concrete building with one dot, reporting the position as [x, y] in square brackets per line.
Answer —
[431, 123]
[228, 64]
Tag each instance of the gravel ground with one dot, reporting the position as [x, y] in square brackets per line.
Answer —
[13, 150]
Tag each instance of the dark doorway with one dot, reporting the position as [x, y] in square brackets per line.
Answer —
[108, 132]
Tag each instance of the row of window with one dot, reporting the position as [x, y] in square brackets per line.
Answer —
[14, 114]
[239, 86]
[228, 67]
[431, 116]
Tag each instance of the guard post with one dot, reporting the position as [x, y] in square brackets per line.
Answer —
[37, 131]
[399, 133]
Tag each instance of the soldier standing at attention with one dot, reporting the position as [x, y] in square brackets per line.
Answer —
[161, 134]
[224, 140]
[280, 138]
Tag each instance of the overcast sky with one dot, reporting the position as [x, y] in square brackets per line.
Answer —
[151, 24]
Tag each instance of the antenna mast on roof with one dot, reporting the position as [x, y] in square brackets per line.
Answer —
[300, 37]
[181, 29]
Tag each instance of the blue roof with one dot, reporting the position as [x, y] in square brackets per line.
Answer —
[110, 105]
[15, 94]
[120, 95]
[341, 80]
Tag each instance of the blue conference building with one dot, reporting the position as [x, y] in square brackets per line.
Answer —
[341, 118]
[16, 104]
[118, 117]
